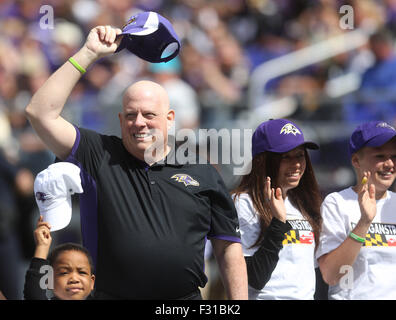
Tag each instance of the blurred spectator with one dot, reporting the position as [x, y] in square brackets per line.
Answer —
[376, 98]
[14, 182]
[66, 39]
[182, 96]
[219, 75]
[91, 115]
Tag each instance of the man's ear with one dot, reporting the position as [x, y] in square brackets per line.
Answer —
[170, 117]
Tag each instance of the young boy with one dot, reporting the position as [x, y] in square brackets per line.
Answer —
[357, 250]
[70, 264]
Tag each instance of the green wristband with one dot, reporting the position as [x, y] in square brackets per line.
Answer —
[78, 67]
[357, 238]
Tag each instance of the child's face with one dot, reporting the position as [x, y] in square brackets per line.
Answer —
[380, 162]
[72, 276]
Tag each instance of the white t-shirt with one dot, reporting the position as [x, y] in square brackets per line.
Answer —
[373, 275]
[294, 274]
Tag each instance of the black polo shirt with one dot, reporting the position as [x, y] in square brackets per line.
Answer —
[146, 226]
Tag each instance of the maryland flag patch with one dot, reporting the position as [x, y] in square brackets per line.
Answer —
[380, 235]
[301, 233]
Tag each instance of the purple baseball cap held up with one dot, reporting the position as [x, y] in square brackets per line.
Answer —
[371, 134]
[278, 136]
[151, 37]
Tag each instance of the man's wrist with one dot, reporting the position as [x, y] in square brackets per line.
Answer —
[85, 57]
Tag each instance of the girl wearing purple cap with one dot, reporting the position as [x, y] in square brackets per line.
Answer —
[278, 206]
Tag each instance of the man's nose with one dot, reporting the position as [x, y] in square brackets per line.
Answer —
[140, 121]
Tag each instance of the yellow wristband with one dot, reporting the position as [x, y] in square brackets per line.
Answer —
[76, 65]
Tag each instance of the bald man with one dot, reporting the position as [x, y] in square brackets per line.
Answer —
[144, 219]
[145, 119]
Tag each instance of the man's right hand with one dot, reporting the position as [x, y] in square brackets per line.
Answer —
[103, 41]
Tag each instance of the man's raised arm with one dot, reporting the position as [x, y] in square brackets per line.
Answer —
[47, 103]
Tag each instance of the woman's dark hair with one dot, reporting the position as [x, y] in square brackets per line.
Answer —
[70, 247]
[306, 197]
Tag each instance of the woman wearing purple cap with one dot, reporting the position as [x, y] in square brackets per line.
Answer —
[357, 250]
[278, 206]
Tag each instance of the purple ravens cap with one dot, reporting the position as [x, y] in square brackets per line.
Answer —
[151, 37]
[278, 136]
[371, 134]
